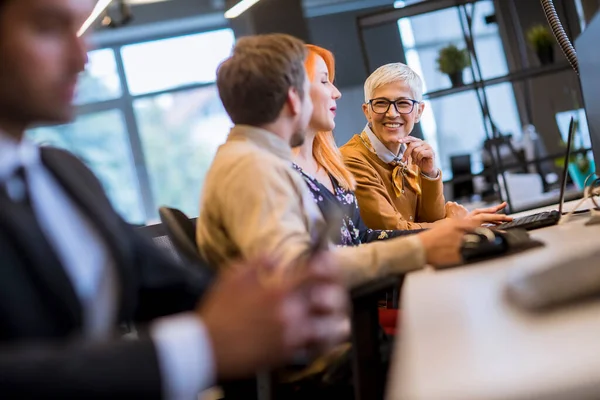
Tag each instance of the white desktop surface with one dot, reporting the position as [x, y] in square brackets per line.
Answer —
[460, 339]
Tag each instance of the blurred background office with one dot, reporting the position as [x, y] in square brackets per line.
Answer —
[150, 120]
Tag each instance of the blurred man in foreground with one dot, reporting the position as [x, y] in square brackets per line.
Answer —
[71, 270]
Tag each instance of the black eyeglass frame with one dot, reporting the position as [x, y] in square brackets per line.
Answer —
[390, 102]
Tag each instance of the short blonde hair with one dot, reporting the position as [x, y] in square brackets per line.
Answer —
[391, 73]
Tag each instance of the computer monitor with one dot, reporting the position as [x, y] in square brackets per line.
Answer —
[588, 57]
[462, 187]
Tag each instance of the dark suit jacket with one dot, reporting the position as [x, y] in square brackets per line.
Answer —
[40, 314]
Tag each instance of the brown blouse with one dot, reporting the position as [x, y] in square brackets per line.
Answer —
[380, 208]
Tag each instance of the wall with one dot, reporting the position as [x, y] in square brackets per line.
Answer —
[339, 34]
[336, 31]
[590, 8]
[350, 118]
[162, 19]
[269, 16]
[172, 9]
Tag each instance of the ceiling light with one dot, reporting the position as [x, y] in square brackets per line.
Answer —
[239, 8]
[98, 9]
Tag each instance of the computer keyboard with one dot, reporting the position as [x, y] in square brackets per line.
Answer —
[534, 221]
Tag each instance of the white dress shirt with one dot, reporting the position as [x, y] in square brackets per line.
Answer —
[182, 343]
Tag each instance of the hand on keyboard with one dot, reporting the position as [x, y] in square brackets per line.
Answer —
[482, 215]
[533, 221]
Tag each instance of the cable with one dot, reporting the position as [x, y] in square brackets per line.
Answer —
[560, 34]
[595, 188]
[589, 192]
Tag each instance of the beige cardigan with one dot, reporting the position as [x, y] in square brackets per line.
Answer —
[254, 203]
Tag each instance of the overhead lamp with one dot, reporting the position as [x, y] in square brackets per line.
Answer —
[126, 17]
[101, 5]
[239, 8]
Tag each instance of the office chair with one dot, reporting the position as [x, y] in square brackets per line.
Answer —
[161, 240]
[182, 232]
[368, 371]
[175, 236]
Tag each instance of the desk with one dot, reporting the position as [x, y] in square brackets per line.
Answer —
[460, 339]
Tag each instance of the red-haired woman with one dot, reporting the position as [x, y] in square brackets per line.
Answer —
[321, 165]
[320, 162]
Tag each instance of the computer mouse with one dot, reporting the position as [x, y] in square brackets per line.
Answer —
[482, 243]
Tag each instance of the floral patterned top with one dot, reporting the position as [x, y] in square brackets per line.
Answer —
[353, 231]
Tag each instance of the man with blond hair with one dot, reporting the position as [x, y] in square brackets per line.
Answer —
[398, 183]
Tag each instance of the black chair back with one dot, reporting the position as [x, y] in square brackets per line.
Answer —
[182, 232]
[161, 240]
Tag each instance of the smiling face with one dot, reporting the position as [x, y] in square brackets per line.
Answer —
[324, 95]
[392, 126]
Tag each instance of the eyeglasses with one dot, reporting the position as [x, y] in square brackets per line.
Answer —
[402, 106]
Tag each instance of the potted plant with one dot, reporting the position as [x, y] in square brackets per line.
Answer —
[452, 61]
[542, 42]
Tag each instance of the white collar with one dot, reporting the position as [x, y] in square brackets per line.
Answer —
[384, 154]
[14, 154]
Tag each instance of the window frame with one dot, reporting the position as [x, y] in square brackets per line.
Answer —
[418, 10]
[125, 103]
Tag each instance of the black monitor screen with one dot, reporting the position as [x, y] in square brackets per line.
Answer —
[462, 185]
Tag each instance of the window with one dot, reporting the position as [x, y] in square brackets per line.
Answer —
[451, 130]
[454, 132]
[100, 140]
[180, 134]
[100, 80]
[160, 105]
[170, 63]
[445, 124]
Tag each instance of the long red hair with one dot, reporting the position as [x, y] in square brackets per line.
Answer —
[325, 151]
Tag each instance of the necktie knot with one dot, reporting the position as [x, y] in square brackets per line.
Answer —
[16, 186]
